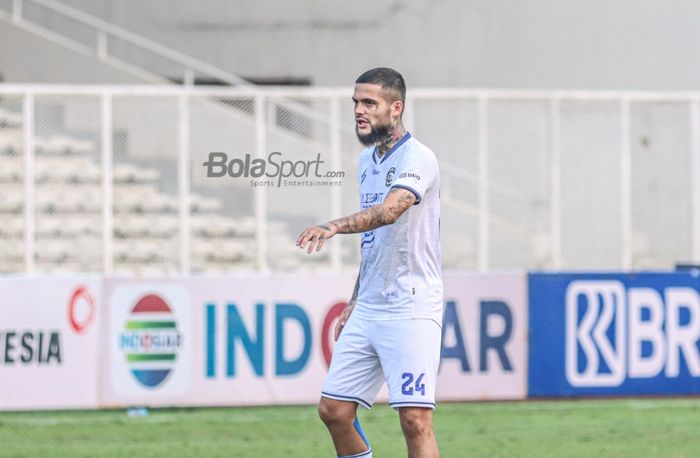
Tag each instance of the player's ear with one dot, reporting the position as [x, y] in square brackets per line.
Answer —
[396, 109]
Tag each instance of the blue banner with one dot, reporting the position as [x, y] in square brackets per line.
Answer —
[614, 334]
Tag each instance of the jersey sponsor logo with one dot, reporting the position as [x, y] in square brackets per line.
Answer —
[415, 176]
[371, 198]
[390, 176]
[376, 172]
[367, 239]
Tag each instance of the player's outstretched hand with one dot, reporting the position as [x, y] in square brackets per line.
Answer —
[344, 316]
[315, 236]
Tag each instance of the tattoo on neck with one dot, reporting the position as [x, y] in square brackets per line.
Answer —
[391, 140]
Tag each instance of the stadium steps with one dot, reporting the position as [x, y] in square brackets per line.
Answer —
[68, 220]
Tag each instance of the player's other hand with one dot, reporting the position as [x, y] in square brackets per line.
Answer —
[344, 316]
[315, 236]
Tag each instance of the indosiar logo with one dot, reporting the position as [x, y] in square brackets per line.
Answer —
[615, 333]
[151, 340]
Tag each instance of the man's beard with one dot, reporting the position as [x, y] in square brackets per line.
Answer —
[376, 134]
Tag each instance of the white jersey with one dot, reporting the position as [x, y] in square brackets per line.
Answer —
[400, 277]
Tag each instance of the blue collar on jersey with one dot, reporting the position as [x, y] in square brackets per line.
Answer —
[403, 140]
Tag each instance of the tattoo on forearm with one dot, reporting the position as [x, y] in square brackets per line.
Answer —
[374, 217]
[324, 227]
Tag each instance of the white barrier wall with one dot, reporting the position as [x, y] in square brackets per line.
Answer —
[243, 340]
[48, 343]
[240, 341]
[485, 332]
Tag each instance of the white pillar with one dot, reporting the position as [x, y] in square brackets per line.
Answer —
[17, 11]
[555, 180]
[625, 185]
[184, 181]
[336, 191]
[260, 192]
[483, 132]
[695, 176]
[107, 185]
[28, 146]
[102, 45]
[188, 77]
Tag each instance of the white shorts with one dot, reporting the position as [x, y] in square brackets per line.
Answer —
[405, 353]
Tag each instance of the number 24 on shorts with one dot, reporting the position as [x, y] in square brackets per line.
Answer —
[406, 387]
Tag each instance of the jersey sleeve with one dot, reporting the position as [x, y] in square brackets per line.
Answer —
[417, 174]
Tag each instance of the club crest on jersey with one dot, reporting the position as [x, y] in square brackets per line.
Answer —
[390, 176]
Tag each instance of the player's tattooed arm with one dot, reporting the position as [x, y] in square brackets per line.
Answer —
[395, 204]
[347, 311]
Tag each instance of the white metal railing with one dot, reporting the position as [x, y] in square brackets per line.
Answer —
[479, 178]
[695, 173]
[105, 32]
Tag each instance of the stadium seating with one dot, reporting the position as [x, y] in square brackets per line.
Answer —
[9, 118]
[68, 206]
[10, 142]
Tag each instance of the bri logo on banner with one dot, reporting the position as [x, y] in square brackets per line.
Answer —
[614, 333]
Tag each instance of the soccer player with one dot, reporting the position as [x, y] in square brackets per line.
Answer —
[390, 329]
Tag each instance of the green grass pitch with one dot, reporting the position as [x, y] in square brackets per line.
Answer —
[591, 428]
